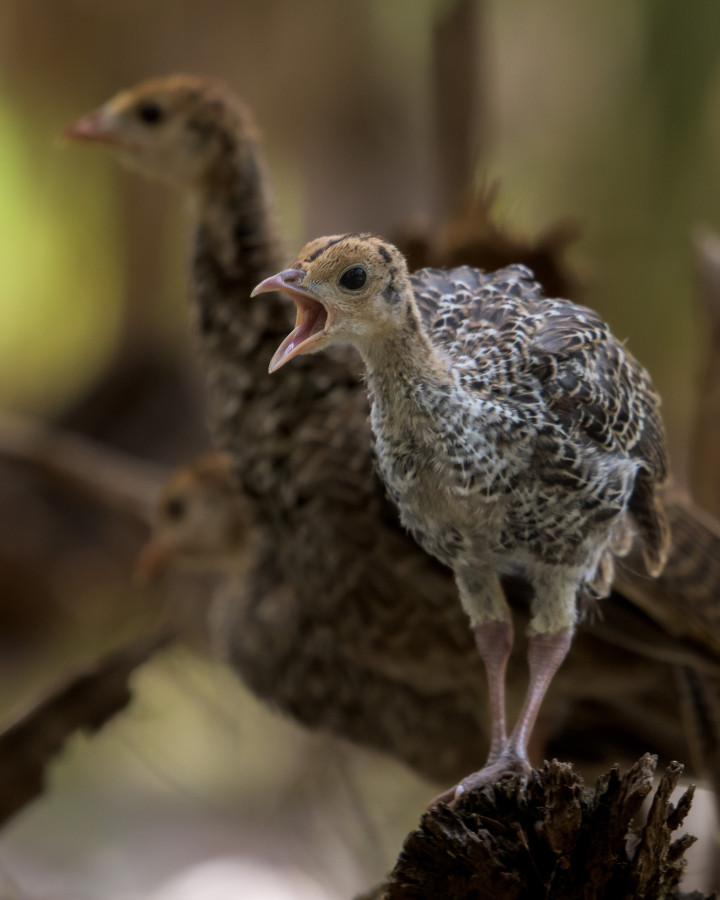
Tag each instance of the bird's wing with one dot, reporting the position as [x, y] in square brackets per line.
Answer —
[504, 337]
[594, 385]
[467, 311]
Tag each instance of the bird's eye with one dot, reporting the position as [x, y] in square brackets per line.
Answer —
[354, 278]
[175, 508]
[150, 112]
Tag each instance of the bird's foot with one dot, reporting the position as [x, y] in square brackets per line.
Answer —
[505, 766]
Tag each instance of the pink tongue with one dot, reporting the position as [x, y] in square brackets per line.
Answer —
[296, 337]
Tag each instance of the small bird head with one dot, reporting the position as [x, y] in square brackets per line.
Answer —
[170, 128]
[351, 288]
[201, 518]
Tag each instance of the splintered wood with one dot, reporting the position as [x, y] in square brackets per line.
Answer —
[550, 836]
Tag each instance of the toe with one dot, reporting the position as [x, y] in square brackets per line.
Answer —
[447, 796]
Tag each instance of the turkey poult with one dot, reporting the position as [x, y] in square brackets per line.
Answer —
[201, 520]
[202, 531]
[514, 433]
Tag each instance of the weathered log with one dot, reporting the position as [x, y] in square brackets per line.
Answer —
[550, 836]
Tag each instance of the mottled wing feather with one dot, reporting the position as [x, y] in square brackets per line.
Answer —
[500, 324]
[506, 340]
[596, 385]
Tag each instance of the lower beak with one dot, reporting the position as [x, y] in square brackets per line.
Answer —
[311, 324]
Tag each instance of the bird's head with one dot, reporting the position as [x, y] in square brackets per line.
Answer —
[171, 128]
[201, 518]
[352, 289]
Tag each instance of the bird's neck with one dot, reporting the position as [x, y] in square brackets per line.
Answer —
[236, 246]
[237, 242]
[404, 369]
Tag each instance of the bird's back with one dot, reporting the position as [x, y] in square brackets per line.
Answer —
[558, 362]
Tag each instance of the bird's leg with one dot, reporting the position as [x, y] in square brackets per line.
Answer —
[554, 611]
[482, 598]
[545, 655]
[552, 626]
[494, 642]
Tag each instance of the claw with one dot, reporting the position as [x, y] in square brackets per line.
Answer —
[506, 766]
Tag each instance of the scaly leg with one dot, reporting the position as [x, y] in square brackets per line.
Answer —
[483, 600]
[494, 641]
[551, 630]
[545, 655]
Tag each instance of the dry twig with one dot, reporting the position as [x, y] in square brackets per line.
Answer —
[85, 700]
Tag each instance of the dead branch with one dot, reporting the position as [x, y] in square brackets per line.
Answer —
[85, 700]
[114, 480]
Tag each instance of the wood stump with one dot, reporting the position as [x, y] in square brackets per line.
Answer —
[549, 836]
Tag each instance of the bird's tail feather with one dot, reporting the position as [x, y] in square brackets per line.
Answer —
[648, 511]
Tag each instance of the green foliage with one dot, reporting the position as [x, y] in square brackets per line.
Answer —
[60, 288]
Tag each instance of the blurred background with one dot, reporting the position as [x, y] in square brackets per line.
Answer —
[607, 116]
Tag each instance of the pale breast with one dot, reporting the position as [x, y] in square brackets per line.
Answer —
[506, 501]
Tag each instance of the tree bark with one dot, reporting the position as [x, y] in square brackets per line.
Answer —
[549, 836]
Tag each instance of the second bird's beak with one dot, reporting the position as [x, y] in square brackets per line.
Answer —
[313, 317]
[95, 126]
[151, 562]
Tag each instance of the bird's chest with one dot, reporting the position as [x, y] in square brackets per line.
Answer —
[445, 478]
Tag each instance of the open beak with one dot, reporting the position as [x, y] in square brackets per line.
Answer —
[95, 126]
[313, 317]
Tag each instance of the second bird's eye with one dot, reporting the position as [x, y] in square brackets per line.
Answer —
[150, 112]
[354, 278]
[175, 508]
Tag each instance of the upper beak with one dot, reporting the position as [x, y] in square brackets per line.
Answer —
[95, 126]
[313, 317]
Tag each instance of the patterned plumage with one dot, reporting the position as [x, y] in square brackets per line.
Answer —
[513, 432]
[536, 355]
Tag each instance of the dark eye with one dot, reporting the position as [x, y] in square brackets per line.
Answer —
[354, 278]
[175, 509]
[150, 112]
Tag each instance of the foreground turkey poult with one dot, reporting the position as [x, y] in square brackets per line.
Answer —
[515, 434]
